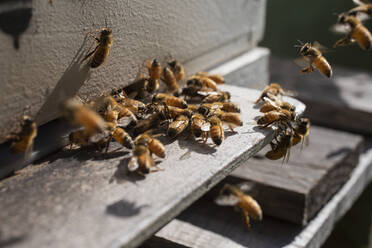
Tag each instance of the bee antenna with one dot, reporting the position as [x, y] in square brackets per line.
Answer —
[299, 41]
[105, 22]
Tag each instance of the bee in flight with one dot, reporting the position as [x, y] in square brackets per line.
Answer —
[354, 31]
[23, 141]
[313, 55]
[102, 50]
[236, 197]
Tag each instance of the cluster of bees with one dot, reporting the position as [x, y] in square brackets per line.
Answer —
[349, 23]
[290, 129]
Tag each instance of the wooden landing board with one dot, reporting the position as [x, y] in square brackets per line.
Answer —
[205, 224]
[343, 101]
[82, 199]
[297, 190]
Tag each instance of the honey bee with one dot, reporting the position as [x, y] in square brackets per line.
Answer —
[355, 32]
[202, 82]
[122, 137]
[173, 112]
[154, 69]
[246, 203]
[193, 107]
[217, 78]
[177, 126]
[79, 114]
[230, 119]
[170, 100]
[102, 50]
[216, 130]
[215, 96]
[170, 80]
[365, 8]
[141, 161]
[313, 55]
[151, 85]
[79, 137]
[303, 130]
[200, 126]
[277, 117]
[133, 105]
[154, 145]
[281, 148]
[271, 92]
[112, 116]
[271, 105]
[177, 69]
[23, 141]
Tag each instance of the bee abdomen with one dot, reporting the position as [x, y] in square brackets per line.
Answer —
[217, 135]
[323, 66]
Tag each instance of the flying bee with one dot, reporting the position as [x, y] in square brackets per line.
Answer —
[200, 126]
[170, 100]
[102, 50]
[246, 203]
[355, 32]
[141, 160]
[177, 126]
[313, 55]
[178, 69]
[217, 78]
[365, 8]
[216, 130]
[277, 117]
[79, 114]
[23, 141]
[281, 148]
[271, 91]
[154, 69]
[215, 96]
[277, 106]
[154, 145]
[170, 80]
[230, 119]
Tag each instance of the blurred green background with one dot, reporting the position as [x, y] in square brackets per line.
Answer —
[289, 20]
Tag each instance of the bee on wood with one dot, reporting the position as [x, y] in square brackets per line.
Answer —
[249, 206]
[313, 55]
[200, 126]
[270, 105]
[154, 145]
[215, 96]
[174, 112]
[271, 91]
[277, 117]
[141, 160]
[177, 69]
[232, 120]
[355, 32]
[170, 80]
[217, 78]
[281, 148]
[122, 137]
[102, 50]
[133, 105]
[23, 141]
[177, 126]
[216, 130]
[155, 69]
[364, 8]
[79, 114]
[170, 100]
[202, 82]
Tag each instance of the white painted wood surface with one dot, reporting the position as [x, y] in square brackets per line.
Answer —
[84, 199]
[47, 64]
[203, 228]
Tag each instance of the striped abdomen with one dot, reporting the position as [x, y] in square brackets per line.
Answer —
[323, 66]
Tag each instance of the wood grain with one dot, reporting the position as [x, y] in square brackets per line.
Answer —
[77, 198]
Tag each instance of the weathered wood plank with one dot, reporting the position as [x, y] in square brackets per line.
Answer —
[83, 199]
[310, 178]
[342, 102]
[54, 134]
[204, 221]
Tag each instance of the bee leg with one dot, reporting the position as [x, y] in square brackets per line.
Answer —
[246, 218]
[344, 42]
[307, 69]
[108, 144]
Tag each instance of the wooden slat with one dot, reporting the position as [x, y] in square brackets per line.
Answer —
[343, 101]
[82, 199]
[205, 223]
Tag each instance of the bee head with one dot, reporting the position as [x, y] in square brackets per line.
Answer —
[305, 48]
[172, 63]
[27, 121]
[106, 31]
[342, 18]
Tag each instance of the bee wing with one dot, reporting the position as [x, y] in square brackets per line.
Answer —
[358, 2]
[206, 127]
[362, 17]
[28, 151]
[340, 29]
[226, 200]
[300, 61]
[133, 165]
[321, 48]
[271, 102]
[207, 93]
[98, 136]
